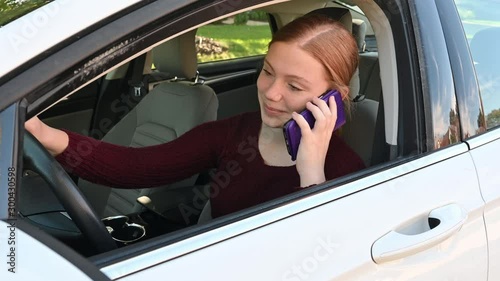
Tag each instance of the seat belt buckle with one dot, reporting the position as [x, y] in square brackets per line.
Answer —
[137, 89]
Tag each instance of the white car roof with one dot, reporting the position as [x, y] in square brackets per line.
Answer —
[38, 31]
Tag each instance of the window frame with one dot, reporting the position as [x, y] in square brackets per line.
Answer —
[11, 145]
[465, 79]
[438, 95]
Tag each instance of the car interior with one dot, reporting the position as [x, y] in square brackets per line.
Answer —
[164, 92]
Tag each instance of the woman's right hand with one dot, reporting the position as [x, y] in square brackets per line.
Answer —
[34, 126]
[54, 140]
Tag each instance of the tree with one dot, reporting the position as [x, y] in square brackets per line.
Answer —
[493, 118]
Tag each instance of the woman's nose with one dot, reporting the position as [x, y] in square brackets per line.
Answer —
[273, 92]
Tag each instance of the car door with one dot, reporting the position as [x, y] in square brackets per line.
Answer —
[75, 112]
[484, 150]
[377, 228]
[480, 27]
[419, 217]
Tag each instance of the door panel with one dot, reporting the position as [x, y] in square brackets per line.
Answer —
[34, 255]
[78, 121]
[489, 180]
[334, 241]
[75, 112]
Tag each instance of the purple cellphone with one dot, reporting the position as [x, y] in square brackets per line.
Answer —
[291, 129]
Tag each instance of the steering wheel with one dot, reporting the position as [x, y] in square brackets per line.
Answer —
[38, 159]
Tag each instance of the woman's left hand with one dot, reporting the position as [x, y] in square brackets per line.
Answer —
[314, 142]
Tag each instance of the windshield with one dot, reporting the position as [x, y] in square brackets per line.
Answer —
[13, 9]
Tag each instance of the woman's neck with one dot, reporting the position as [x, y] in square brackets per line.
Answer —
[269, 135]
[272, 147]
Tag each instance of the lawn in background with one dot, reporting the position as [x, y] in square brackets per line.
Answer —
[242, 40]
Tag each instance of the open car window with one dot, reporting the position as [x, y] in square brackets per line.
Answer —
[120, 93]
[242, 35]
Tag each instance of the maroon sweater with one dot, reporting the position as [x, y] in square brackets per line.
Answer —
[241, 178]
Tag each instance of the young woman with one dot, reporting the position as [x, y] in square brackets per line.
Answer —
[305, 58]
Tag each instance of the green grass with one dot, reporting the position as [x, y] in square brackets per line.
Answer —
[242, 40]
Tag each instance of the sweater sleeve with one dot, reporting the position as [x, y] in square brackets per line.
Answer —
[128, 167]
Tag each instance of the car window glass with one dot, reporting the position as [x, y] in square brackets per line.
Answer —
[481, 22]
[243, 35]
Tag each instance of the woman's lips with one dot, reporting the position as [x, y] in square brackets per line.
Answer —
[273, 111]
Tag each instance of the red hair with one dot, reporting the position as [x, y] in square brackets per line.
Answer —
[329, 42]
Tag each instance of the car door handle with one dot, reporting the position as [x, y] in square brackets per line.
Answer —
[406, 241]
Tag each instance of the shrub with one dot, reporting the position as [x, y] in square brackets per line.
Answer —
[257, 16]
[241, 19]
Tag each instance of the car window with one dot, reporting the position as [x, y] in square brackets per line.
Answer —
[481, 22]
[243, 35]
[13, 9]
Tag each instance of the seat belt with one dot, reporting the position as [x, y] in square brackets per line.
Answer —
[137, 88]
[380, 147]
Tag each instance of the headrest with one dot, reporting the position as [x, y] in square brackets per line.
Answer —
[177, 56]
[359, 32]
[339, 14]
[484, 47]
[343, 16]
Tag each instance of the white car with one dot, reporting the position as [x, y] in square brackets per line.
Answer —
[426, 119]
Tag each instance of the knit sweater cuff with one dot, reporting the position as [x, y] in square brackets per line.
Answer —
[300, 188]
[78, 148]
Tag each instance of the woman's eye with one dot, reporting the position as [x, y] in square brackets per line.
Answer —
[294, 88]
[266, 71]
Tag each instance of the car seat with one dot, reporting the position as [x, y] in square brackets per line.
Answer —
[169, 110]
